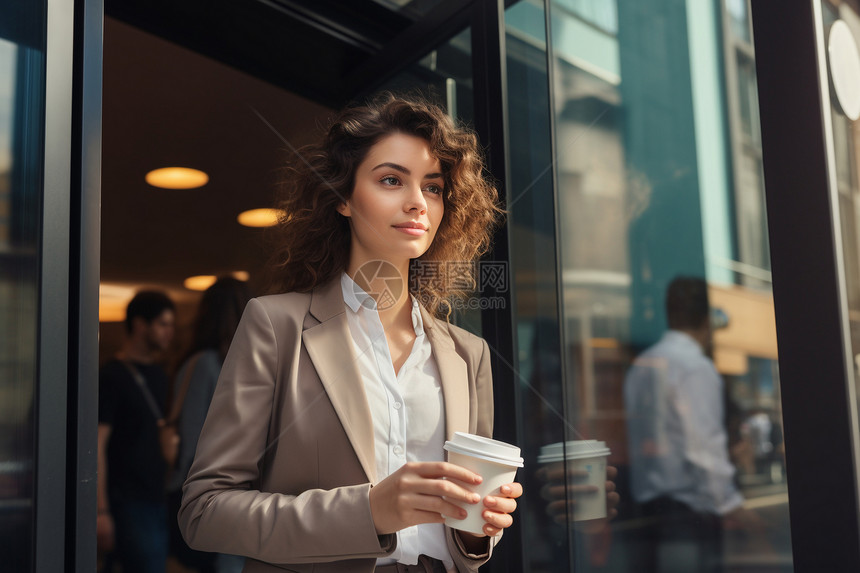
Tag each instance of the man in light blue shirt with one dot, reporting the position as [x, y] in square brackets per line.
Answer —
[681, 475]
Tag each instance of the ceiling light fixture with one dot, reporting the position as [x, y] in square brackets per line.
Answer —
[199, 282]
[203, 282]
[177, 178]
[113, 300]
[260, 217]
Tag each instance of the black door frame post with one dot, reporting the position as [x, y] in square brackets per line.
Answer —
[816, 373]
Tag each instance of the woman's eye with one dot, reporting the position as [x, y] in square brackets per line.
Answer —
[435, 189]
[390, 180]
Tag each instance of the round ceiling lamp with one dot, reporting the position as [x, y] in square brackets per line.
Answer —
[177, 178]
[260, 217]
[199, 282]
[203, 282]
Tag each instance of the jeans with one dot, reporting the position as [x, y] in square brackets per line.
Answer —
[140, 528]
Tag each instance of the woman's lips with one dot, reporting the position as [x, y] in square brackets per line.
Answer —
[413, 229]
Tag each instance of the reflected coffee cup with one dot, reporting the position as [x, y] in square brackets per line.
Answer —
[496, 462]
[585, 463]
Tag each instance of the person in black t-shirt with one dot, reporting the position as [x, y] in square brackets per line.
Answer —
[132, 509]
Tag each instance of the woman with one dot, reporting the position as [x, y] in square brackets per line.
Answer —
[322, 450]
[217, 318]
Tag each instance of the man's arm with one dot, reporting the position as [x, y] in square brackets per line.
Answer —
[699, 401]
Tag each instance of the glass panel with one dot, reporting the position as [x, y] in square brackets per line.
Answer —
[22, 53]
[739, 21]
[539, 369]
[445, 76]
[661, 340]
[846, 141]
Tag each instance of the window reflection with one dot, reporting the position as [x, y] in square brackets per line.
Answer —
[656, 157]
[21, 128]
[846, 152]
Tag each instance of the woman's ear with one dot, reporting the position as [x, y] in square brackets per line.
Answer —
[343, 209]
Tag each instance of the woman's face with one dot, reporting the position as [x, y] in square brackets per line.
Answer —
[396, 206]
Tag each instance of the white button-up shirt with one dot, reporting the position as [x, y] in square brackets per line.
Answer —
[677, 438]
[407, 409]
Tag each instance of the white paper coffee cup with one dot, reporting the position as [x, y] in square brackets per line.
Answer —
[589, 458]
[496, 462]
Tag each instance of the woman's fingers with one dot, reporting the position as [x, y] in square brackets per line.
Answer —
[511, 490]
[444, 470]
[421, 492]
[498, 508]
[424, 492]
[500, 504]
[497, 520]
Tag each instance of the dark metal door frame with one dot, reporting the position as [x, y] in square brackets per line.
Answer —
[816, 374]
[67, 339]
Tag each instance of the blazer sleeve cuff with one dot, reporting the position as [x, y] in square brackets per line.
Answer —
[468, 561]
[385, 544]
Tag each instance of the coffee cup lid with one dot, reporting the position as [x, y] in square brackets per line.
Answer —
[485, 449]
[572, 450]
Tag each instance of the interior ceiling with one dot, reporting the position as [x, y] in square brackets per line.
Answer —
[229, 87]
[167, 106]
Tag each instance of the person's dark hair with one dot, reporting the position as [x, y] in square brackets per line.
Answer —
[148, 305]
[218, 315]
[687, 303]
[314, 238]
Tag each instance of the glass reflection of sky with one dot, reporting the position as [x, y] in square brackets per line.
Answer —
[7, 70]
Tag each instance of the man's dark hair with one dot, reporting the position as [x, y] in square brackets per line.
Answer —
[687, 303]
[148, 305]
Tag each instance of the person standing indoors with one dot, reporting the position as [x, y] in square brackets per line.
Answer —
[323, 447]
[681, 474]
[132, 508]
[218, 316]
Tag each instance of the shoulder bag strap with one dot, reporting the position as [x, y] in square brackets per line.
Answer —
[176, 408]
[138, 377]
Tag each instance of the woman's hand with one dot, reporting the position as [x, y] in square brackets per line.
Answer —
[498, 508]
[416, 493]
[497, 514]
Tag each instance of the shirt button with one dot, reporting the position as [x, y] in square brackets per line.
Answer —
[397, 405]
[398, 450]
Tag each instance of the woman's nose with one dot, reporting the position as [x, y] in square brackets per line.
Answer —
[415, 200]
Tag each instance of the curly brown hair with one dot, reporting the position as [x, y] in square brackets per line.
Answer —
[313, 238]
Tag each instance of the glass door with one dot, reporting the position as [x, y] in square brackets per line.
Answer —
[22, 101]
[642, 288]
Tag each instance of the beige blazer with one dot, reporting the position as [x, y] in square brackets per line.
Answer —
[285, 461]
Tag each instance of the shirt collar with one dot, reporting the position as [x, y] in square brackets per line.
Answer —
[417, 319]
[682, 338]
[355, 298]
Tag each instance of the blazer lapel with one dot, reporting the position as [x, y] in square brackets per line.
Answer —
[454, 374]
[330, 347]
